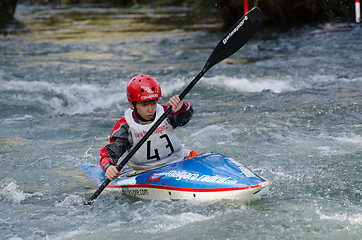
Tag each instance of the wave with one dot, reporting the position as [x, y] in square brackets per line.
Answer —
[24, 98]
[28, 97]
[60, 98]
[351, 218]
[9, 190]
[243, 84]
[349, 138]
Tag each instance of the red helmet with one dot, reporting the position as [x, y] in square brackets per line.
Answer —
[143, 88]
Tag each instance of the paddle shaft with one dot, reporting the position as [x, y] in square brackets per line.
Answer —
[232, 41]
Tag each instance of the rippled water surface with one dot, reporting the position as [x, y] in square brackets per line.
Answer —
[287, 106]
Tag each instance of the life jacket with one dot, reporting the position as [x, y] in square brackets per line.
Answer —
[160, 149]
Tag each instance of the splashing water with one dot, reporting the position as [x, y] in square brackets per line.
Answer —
[11, 192]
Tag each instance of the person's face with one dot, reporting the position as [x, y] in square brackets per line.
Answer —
[146, 109]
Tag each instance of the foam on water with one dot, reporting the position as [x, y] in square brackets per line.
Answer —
[351, 138]
[82, 98]
[170, 87]
[330, 151]
[350, 218]
[26, 117]
[71, 234]
[169, 222]
[71, 200]
[237, 84]
[65, 98]
[10, 191]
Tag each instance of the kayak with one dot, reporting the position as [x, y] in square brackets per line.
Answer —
[209, 176]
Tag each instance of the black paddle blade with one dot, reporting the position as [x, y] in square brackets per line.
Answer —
[97, 192]
[236, 37]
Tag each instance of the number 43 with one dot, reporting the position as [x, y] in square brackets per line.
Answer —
[155, 151]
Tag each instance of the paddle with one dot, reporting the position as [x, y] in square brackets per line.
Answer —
[233, 40]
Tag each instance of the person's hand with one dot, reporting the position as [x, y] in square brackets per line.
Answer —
[175, 103]
[112, 172]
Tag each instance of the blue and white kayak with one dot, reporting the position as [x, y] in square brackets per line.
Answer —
[209, 176]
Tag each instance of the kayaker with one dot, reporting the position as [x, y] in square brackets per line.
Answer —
[162, 147]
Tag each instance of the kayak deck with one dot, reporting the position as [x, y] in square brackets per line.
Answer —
[209, 176]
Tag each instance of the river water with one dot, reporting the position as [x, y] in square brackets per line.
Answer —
[287, 105]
